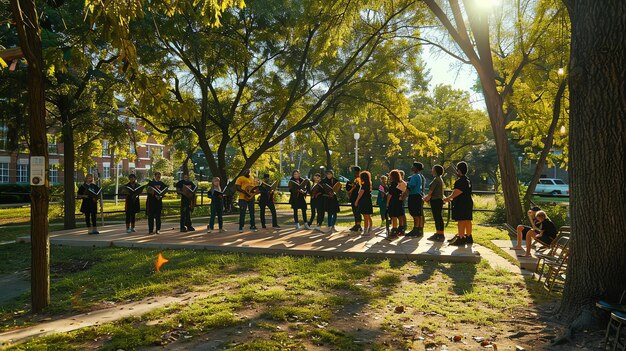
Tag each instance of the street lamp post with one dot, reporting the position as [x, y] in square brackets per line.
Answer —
[280, 161]
[356, 148]
[520, 162]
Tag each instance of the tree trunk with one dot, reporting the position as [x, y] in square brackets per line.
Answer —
[29, 32]
[69, 196]
[597, 144]
[508, 176]
[556, 112]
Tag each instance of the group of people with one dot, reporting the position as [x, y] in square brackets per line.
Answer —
[393, 192]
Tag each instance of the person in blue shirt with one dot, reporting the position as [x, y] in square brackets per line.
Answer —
[416, 202]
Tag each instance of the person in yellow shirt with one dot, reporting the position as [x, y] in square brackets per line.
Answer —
[245, 186]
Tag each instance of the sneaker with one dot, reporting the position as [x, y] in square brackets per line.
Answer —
[393, 234]
[222, 230]
[401, 231]
[459, 242]
[254, 229]
[454, 238]
[191, 229]
[129, 230]
[307, 226]
[354, 228]
[359, 229]
[420, 232]
[150, 233]
[240, 230]
[433, 237]
[209, 230]
[132, 230]
[276, 226]
[263, 226]
[95, 232]
[413, 232]
[183, 230]
[469, 240]
[437, 238]
[158, 232]
[297, 226]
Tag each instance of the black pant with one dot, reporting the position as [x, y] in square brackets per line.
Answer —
[90, 216]
[295, 215]
[216, 210]
[152, 217]
[436, 205]
[317, 209]
[185, 217]
[357, 214]
[272, 208]
[243, 206]
[130, 219]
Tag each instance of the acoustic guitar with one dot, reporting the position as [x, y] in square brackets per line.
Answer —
[252, 191]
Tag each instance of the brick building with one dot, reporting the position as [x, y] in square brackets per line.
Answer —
[14, 165]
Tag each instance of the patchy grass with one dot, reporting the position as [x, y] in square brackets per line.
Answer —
[261, 302]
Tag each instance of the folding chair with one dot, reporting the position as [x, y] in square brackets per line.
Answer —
[556, 268]
[552, 253]
[614, 322]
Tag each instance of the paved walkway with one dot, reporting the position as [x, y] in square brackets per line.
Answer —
[528, 264]
[286, 240]
[98, 317]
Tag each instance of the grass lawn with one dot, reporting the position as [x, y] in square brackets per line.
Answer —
[277, 302]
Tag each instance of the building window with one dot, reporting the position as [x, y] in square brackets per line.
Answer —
[4, 172]
[52, 144]
[132, 148]
[158, 151]
[53, 173]
[22, 173]
[106, 171]
[4, 136]
[105, 148]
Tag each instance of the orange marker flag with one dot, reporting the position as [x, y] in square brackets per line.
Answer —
[160, 261]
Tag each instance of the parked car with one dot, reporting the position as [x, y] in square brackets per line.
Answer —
[552, 186]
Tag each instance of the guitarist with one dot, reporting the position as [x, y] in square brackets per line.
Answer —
[353, 189]
[186, 204]
[298, 189]
[131, 204]
[246, 186]
[154, 203]
[89, 207]
[267, 200]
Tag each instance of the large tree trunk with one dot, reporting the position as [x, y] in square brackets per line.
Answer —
[69, 197]
[597, 155]
[508, 176]
[29, 32]
[556, 112]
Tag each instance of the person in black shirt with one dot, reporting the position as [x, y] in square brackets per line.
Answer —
[462, 207]
[395, 205]
[545, 236]
[154, 203]
[317, 202]
[131, 203]
[353, 189]
[266, 199]
[330, 201]
[297, 198]
[364, 201]
[186, 204]
[89, 207]
[522, 230]
[217, 205]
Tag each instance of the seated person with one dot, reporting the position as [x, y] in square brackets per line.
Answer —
[547, 232]
[522, 230]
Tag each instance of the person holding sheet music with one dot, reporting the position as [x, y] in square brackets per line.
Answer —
[353, 188]
[247, 188]
[266, 199]
[364, 201]
[435, 197]
[317, 202]
[89, 192]
[331, 203]
[154, 203]
[132, 190]
[298, 188]
[217, 205]
[395, 206]
[186, 189]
